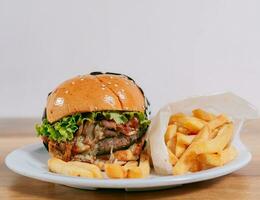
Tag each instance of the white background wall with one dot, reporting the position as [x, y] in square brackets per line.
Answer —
[172, 48]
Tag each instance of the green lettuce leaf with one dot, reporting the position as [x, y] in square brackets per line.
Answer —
[117, 117]
[64, 129]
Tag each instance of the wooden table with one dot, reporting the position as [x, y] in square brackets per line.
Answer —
[14, 133]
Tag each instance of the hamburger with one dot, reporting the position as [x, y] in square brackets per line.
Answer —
[95, 118]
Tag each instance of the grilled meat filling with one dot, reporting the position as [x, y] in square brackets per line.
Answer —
[99, 138]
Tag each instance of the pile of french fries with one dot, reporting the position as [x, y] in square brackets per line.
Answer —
[132, 169]
[199, 142]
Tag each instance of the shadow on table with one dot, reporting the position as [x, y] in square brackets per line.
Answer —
[31, 189]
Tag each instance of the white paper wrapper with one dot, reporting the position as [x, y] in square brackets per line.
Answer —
[238, 109]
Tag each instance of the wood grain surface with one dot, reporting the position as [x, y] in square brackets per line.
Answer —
[242, 184]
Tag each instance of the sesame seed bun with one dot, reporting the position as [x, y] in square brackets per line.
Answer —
[90, 93]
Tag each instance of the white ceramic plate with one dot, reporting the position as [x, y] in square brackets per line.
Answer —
[31, 161]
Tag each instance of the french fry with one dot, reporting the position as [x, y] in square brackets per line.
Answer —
[218, 143]
[202, 135]
[218, 121]
[180, 145]
[187, 159]
[176, 117]
[210, 160]
[193, 124]
[90, 167]
[115, 171]
[170, 132]
[173, 159]
[184, 139]
[141, 171]
[182, 142]
[204, 115]
[59, 166]
[171, 144]
[134, 172]
[144, 164]
[130, 164]
[228, 154]
[183, 130]
[213, 133]
[184, 165]
[196, 166]
[180, 148]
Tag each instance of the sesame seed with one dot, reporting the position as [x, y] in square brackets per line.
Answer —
[110, 100]
[121, 95]
[59, 101]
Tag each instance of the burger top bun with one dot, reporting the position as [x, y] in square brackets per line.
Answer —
[90, 93]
